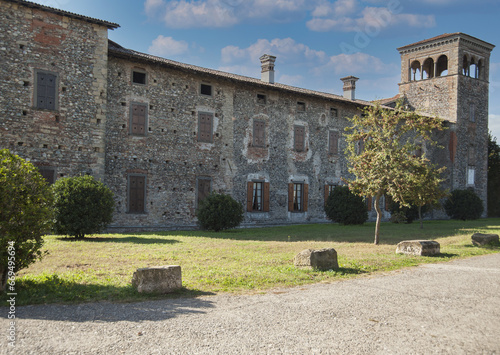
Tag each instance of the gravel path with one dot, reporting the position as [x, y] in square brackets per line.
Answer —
[450, 308]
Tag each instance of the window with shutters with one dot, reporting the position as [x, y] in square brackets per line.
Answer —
[334, 113]
[333, 142]
[328, 190]
[301, 106]
[203, 188]
[206, 89]
[299, 138]
[261, 99]
[139, 76]
[136, 193]
[257, 196]
[205, 127]
[46, 90]
[49, 174]
[259, 133]
[297, 197]
[138, 119]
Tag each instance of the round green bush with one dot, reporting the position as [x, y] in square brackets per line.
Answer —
[409, 213]
[25, 214]
[464, 205]
[344, 207]
[83, 205]
[218, 212]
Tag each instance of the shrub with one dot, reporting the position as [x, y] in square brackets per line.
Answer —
[25, 214]
[464, 204]
[409, 213]
[83, 206]
[218, 212]
[344, 207]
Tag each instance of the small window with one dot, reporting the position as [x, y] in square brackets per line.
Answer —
[261, 99]
[138, 119]
[203, 189]
[139, 77]
[334, 113]
[471, 175]
[297, 197]
[259, 133]
[46, 90]
[136, 193]
[206, 89]
[299, 138]
[333, 142]
[205, 127]
[257, 196]
[301, 106]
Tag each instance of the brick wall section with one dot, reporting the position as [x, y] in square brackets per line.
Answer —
[69, 138]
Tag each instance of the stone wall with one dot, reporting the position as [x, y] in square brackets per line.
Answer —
[69, 138]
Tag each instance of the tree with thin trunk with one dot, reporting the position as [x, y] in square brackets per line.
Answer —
[381, 153]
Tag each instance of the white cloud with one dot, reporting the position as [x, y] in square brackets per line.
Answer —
[285, 49]
[167, 47]
[372, 20]
[354, 64]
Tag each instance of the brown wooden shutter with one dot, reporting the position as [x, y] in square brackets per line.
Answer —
[138, 122]
[250, 196]
[205, 124]
[259, 133]
[46, 91]
[290, 197]
[334, 142]
[266, 197]
[452, 146]
[299, 134]
[305, 197]
[136, 194]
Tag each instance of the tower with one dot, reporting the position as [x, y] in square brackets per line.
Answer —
[447, 76]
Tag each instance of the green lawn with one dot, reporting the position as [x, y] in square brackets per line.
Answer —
[243, 260]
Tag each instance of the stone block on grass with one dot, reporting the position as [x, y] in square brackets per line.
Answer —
[418, 247]
[161, 279]
[480, 239]
[323, 259]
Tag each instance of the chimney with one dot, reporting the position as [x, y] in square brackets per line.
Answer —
[267, 62]
[350, 87]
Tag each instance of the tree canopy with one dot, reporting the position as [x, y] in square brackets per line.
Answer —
[493, 177]
[384, 152]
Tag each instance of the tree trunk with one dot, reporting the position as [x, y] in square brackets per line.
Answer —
[3, 279]
[420, 216]
[379, 217]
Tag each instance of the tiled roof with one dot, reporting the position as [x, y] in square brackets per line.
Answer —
[389, 100]
[107, 24]
[119, 51]
[447, 35]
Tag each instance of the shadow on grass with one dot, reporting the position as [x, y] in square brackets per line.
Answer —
[125, 239]
[134, 306]
[445, 255]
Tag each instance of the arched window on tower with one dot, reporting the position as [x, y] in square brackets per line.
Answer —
[473, 72]
[442, 66]
[415, 73]
[465, 66]
[428, 68]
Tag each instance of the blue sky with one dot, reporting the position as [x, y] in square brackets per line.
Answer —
[316, 42]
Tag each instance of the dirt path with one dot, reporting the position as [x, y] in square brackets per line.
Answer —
[450, 308]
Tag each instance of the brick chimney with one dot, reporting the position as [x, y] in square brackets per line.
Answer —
[350, 87]
[267, 62]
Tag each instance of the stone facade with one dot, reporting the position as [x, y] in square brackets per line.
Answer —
[162, 134]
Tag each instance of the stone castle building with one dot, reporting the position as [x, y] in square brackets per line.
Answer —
[163, 134]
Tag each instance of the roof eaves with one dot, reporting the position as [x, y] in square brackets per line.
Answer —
[117, 50]
[109, 25]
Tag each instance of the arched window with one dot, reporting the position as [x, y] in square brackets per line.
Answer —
[415, 73]
[442, 66]
[465, 66]
[473, 72]
[428, 68]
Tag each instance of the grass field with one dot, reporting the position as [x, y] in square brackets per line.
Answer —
[243, 260]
